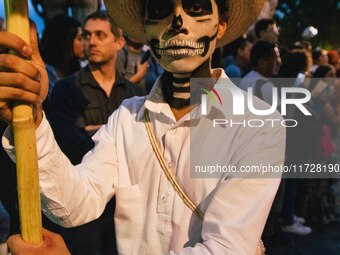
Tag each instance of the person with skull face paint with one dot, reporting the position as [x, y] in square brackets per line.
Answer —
[150, 216]
[182, 36]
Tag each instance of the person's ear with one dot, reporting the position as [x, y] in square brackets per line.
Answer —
[222, 27]
[120, 43]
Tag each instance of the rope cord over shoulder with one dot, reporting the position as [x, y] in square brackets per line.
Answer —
[260, 250]
[170, 176]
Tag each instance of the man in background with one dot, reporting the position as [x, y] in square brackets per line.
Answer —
[266, 29]
[265, 61]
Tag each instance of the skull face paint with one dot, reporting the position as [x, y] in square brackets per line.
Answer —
[197, 8]
[181, 33]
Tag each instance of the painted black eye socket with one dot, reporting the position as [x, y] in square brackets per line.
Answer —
[159, 10]
[197, 8]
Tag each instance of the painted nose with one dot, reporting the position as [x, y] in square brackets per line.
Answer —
[177, 22]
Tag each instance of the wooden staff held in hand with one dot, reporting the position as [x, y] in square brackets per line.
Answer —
[24, 139]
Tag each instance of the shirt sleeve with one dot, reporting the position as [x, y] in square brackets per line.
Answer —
[235, 218]
[67, 191]
[233, 72]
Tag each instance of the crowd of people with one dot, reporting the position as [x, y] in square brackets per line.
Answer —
[263, 64]
[93, 67]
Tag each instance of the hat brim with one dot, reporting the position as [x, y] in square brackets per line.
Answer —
[127, 14]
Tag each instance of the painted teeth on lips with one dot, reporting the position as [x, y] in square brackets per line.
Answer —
[180, 52]
[179, 44]
[180, 48]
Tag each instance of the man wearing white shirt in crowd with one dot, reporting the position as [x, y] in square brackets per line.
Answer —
[265, 61]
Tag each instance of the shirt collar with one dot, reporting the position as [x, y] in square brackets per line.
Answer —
[155, 101]
[86, 78]
[257, 75]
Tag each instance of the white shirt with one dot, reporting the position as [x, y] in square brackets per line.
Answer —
[150, 217]
[250, 80]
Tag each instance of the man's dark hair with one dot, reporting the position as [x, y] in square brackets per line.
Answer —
[261, 50]
[262, 25]
[103, 15]
[239, 43]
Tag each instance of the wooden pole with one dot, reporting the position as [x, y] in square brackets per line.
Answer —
[17, 22]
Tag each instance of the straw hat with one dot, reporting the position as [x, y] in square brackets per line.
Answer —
[241, 14]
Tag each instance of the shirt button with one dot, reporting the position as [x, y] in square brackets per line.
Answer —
[172, 131]
[164, 199]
